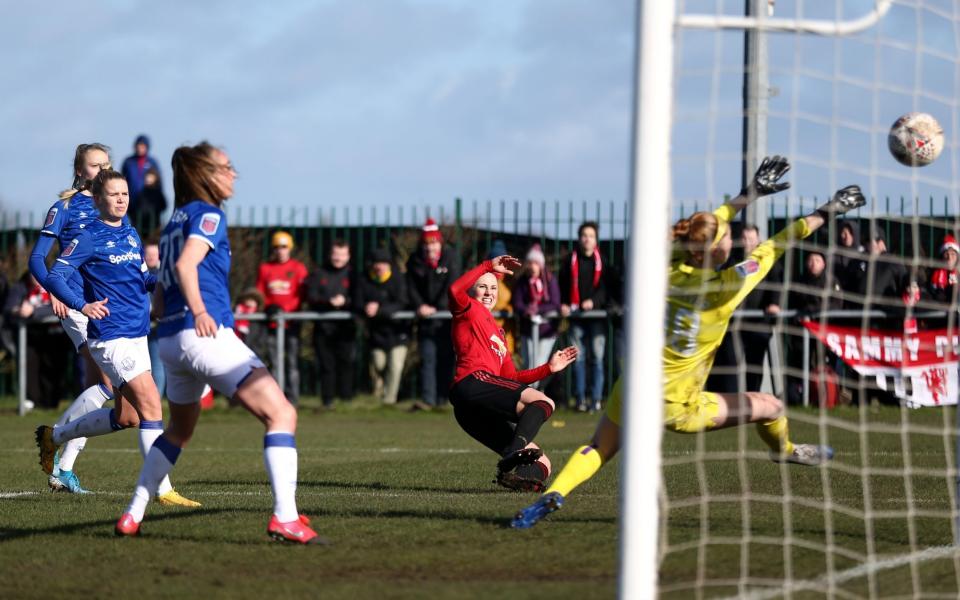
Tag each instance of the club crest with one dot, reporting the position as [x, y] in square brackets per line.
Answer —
[73, 246]
[51, 217]
[209, 223]
[748, 267]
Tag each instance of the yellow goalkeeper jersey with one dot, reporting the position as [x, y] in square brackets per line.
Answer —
[700, 303]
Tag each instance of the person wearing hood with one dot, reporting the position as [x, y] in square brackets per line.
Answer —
[849, 249]
[329, 289]
[430, 271]
[134, 169]
[379, 294]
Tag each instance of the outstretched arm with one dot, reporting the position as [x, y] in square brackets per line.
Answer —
[765, 181]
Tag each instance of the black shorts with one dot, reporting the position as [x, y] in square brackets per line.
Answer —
[485, 406]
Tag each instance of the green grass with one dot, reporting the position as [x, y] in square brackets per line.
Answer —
[409, 503]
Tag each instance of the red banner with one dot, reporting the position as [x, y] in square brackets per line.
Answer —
[919, 368]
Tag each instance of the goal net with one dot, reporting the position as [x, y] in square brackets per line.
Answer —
[855, 329]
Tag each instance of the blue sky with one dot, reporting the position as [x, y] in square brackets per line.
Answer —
[381, 103]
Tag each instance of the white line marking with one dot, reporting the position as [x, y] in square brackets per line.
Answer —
[857, 572]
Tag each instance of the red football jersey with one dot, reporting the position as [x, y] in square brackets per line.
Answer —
[479, 343]
[282, 284]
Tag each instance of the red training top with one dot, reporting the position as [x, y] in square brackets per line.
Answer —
[282, 284]
[478, 341]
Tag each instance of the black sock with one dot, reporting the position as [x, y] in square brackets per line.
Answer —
[532, 417]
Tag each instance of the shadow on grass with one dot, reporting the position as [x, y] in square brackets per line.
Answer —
[11, 534]
[444, 515]
[373, 486]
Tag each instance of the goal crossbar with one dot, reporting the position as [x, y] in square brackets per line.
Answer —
[819, 27]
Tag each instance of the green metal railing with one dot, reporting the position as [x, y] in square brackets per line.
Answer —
[471, 226]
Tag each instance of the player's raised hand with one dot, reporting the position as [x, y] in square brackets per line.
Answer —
[96, 310]
[766, 180]
[505, 264]
[204, 325]
[845, 200]
[562, 359]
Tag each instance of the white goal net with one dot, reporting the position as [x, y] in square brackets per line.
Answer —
[855, 329]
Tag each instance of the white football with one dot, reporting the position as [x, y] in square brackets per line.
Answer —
[916, 139]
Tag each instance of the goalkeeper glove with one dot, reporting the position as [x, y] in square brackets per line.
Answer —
[766, 180]
[845, 200]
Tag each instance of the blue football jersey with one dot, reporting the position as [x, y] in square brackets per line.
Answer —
[110, 260]
[65, 220]
[208, 223]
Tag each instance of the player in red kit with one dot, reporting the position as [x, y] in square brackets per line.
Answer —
[491, 400]
[281, 282]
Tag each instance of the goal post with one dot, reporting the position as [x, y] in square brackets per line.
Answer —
[657, 23]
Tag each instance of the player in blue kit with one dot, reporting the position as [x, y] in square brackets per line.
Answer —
[107, 254]
[65, 219]
[70, 215]
[198, 345]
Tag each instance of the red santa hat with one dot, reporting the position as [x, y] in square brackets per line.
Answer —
[949, 243]
[431, 232]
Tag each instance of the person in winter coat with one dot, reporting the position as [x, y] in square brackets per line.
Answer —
[380, 294]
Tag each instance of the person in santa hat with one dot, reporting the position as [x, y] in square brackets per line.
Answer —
[944, 279]
[430, 272]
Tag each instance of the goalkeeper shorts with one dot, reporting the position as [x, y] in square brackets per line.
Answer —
[693, 416]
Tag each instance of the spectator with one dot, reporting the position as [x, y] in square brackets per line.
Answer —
[48, 348]
[152, 203]
[812, 293]
[329, 289]
[848, 246]
[430, 271]
[504, 304]
[537, 294]
[379, 295]
[583, 287]
[280, 280]
[884, 279]
[944, 280]
[251, 333]
[135, 170]
[151, 258]
[755, 334]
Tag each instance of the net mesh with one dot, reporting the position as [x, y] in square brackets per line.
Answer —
[862, 353]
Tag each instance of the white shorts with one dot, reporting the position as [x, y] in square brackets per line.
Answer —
[192, 362]
[121, 359]
[75, 325]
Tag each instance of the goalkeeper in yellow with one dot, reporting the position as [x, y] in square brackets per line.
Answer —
[701, 300]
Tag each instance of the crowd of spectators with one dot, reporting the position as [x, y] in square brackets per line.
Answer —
[844, 275]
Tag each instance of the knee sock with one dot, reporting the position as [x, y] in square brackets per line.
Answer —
[581, 466]
[98, 422]
[158, 462]
[149, 432]
[533, 416]
[280, 457]
[90, 400]
[775, 435]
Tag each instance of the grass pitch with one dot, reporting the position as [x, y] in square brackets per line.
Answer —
[409, 503]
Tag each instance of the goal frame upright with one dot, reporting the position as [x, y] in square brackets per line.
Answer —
[647, 258]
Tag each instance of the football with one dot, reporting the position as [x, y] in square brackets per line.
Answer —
[915, 139]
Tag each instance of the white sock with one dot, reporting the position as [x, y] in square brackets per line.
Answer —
[158, 462]
[69, 453]
[98, 422]
[149, 432]
[88, 401]
[280, 456]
